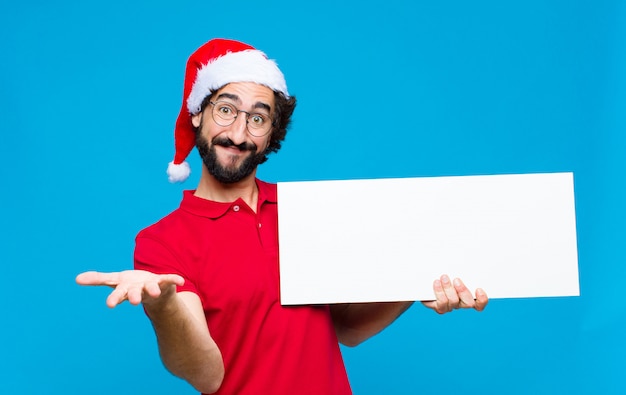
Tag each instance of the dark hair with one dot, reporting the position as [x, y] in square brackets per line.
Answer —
[283, 110]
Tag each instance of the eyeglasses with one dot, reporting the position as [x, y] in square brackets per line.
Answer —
[224, 114]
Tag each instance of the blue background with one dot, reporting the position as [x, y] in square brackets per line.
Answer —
[89, 92]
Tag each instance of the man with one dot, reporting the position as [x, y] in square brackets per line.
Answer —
[207, 274]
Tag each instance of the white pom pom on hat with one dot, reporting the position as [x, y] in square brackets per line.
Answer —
[213, 65]
[178, 173]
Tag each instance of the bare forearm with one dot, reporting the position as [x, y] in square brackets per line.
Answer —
[357, 322]
[185, 344]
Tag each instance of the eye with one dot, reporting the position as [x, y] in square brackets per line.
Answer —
[226, 110]
[258, 119]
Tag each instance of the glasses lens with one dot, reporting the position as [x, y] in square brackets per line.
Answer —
[259, 124]
[223, 113]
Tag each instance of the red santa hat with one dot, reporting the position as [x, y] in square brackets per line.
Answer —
[213, 65]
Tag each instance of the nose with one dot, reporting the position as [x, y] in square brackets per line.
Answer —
[239, 128]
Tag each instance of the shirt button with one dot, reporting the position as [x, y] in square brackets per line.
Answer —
[259, 225]
[235, 208]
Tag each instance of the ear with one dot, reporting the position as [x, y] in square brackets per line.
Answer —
[196, 119]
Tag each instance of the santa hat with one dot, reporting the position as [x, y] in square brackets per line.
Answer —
[213, 65]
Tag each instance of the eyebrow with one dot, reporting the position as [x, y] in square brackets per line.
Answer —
[236, 98]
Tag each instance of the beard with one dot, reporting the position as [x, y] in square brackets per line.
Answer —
[231, 173]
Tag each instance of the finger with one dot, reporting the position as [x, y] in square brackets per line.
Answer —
[433, 304]
[481, 299]
[98, 278]
[136, 293]
[451, 294]
[465, 295]
[171, 279]
[119, 295]
[441, 304]
[152, 289]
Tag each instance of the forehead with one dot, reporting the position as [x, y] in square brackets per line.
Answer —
[246, 94]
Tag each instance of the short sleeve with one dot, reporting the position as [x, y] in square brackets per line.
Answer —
[154, 256]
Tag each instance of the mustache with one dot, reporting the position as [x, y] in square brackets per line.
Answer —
[226, 142]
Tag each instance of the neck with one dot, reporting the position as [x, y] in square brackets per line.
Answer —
[211, 189]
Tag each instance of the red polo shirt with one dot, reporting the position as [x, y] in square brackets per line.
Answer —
[228, 255]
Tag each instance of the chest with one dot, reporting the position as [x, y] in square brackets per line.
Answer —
[237, 266]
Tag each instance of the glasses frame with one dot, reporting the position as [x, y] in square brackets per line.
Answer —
[221, 122]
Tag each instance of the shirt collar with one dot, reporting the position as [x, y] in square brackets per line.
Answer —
[211, 209]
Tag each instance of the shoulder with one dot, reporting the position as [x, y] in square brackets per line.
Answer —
[170, 224]
[173, 223]
[163, 231]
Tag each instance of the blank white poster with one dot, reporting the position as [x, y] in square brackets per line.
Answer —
[389, 239]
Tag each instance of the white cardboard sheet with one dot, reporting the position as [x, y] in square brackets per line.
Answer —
[388, 239]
